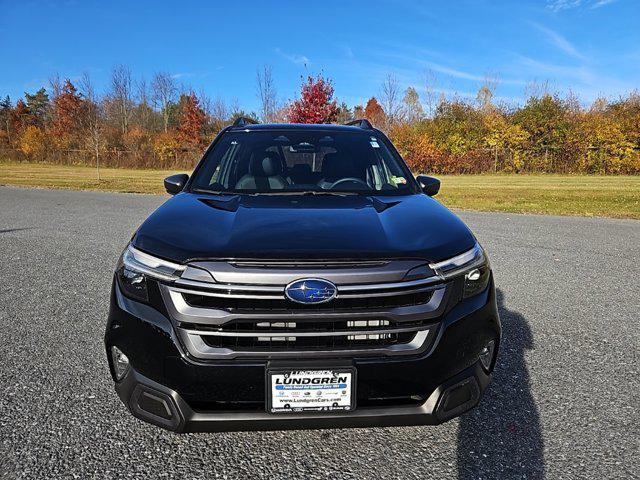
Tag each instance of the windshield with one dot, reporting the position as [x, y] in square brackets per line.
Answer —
[314, 161]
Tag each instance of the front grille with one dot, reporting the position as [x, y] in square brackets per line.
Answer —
[268, 336]
[385, 313]
[240, 305]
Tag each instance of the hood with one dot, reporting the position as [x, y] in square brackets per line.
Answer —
[196, 227]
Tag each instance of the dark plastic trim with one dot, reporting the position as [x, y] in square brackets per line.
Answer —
[362, 123]
[188, 420]
[244, 121]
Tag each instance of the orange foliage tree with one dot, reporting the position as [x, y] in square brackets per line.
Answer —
[192, 121]
[67, 114]
[33, 143]
[374, 112]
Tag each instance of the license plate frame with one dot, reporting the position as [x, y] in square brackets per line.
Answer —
[308, 398]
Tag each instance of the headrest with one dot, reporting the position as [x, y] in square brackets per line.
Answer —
[301, 169]
[266, 164]
[336, 167]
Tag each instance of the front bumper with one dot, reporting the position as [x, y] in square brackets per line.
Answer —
[168, 388]
[164, 407]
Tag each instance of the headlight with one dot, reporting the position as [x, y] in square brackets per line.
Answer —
[473, 264]
[134, 268]
[134, 259]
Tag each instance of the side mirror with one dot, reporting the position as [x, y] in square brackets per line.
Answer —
[429, 185]
[175, 183]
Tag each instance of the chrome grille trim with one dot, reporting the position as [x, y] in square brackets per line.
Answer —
[277, 292]
[221, 294]
[181, 311]
[276, 334]
[198, 348]
[230, 287]
[402, 328]
[225, 273]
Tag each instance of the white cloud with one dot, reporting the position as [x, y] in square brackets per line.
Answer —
[602, 3]
[559, 41]
[449, 71]
[348, 52]
[559, 5]
[294, 57]
[587, 83]
[176, 76]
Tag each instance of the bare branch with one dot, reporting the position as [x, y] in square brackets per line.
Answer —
[266, 92]
[164, 92]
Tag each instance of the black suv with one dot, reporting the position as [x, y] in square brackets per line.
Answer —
[301, 278]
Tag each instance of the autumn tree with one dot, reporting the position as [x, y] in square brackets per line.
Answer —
[165, 146]
[374, 112]
[192, 120]
[20, 117]
[33, 143]
[411, 108]
[546, 122]
[136, 125]
[316, 103]
[506, 140]
[67, 115]
[457, 127]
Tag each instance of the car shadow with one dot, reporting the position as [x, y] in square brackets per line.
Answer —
[502, 437]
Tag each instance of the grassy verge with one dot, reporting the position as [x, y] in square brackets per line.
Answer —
[82, 178]
[584, 195]
[546, 194]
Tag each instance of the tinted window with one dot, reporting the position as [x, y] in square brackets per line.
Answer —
[303, 160]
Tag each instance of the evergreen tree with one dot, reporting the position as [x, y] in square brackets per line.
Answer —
[39, 107]
[6, 109]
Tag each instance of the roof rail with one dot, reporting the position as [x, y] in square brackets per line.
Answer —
[244, 121]
[362, 123]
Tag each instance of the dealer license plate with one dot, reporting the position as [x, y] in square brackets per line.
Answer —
[292, 391]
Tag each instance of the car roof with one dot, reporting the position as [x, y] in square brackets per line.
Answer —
[301, 126]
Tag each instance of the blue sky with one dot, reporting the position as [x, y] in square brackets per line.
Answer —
[589, 46]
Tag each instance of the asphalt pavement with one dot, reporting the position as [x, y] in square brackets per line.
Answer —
[564, 402]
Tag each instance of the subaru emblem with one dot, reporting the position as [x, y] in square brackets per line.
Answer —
[311, 290]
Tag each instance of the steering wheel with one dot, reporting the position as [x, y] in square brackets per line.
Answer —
[349, 179]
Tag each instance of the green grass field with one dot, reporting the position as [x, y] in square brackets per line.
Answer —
[614, 196]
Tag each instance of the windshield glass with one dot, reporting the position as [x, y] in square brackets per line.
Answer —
[283, 161]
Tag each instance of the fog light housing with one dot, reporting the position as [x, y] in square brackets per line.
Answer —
[486, 355]
[120, 363]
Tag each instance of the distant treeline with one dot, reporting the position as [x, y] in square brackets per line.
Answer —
[163, 125]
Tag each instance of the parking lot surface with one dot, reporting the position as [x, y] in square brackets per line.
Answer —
[564, 402]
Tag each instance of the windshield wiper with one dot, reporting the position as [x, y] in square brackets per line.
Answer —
[277, 192]
[212, 192]
[305, 192]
